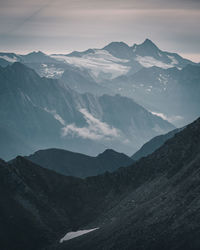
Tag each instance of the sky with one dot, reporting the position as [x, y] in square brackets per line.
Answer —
[62, 26]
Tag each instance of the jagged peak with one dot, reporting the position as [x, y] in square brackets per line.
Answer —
[149, 43]
[36, 53]
[146, 44]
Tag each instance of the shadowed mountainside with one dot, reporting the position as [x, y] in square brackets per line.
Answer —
[152, 204]
[79, 165]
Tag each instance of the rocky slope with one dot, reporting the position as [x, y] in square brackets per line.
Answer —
[152, 204]
[152, 145]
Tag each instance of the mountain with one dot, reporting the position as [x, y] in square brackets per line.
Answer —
[156, 79]
[38, 205]
[148, 55]
[152, 204]
[171, 93]
[123, 59]
[152, 77]
[12, 144]
[119, 50]
[152, 145]
[37, 57]
[113, 60]
[159, 201]
[79, 165]
[46, 113]
[81, 81]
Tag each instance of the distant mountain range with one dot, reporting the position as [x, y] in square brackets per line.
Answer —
[45, 113]
[80, 165]
[162, 82]
[151, 205]
[115, 59]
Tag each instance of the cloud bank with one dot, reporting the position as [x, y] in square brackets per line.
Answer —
[95, 129]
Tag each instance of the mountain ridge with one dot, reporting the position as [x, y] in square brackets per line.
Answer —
[79, 165]
[47, 113]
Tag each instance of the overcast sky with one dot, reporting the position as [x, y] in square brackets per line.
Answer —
[61, 26]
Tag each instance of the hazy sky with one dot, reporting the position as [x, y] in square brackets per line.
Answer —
[61, 26]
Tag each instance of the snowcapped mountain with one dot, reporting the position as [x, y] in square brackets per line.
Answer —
[148, 55]
[46, 113]
[8, 58]
[170, 93]
[115, 59]
[99, 62]
[156, 79]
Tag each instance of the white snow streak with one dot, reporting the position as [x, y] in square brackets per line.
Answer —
[9, 59]
[149, 61]
[72, 235]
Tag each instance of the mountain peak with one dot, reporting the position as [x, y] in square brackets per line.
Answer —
[118, 49]
[110, 153]
[116, 45]
[18, 66]
[40, 53]
[148, 43]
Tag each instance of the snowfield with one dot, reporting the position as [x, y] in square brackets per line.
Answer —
[9, 59]
[101, 61]
[72, 235]
[148, 61]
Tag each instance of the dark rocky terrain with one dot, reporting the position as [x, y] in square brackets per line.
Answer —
[159, 205]
[155, 143]
[151, 205]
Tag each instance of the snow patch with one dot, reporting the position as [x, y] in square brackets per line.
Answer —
[101, 61]
[172, 58]
[149, 61]
[163, 79]
[9, 59]
[51, 71]
[72, 235]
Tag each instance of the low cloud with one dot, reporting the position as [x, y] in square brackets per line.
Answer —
[95, 129]
[56, 116]
[171, 119]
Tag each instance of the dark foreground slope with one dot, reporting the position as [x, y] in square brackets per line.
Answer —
[38, 205]
[153, 204]
[155, 143]
[161, 207]
[79, 165]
